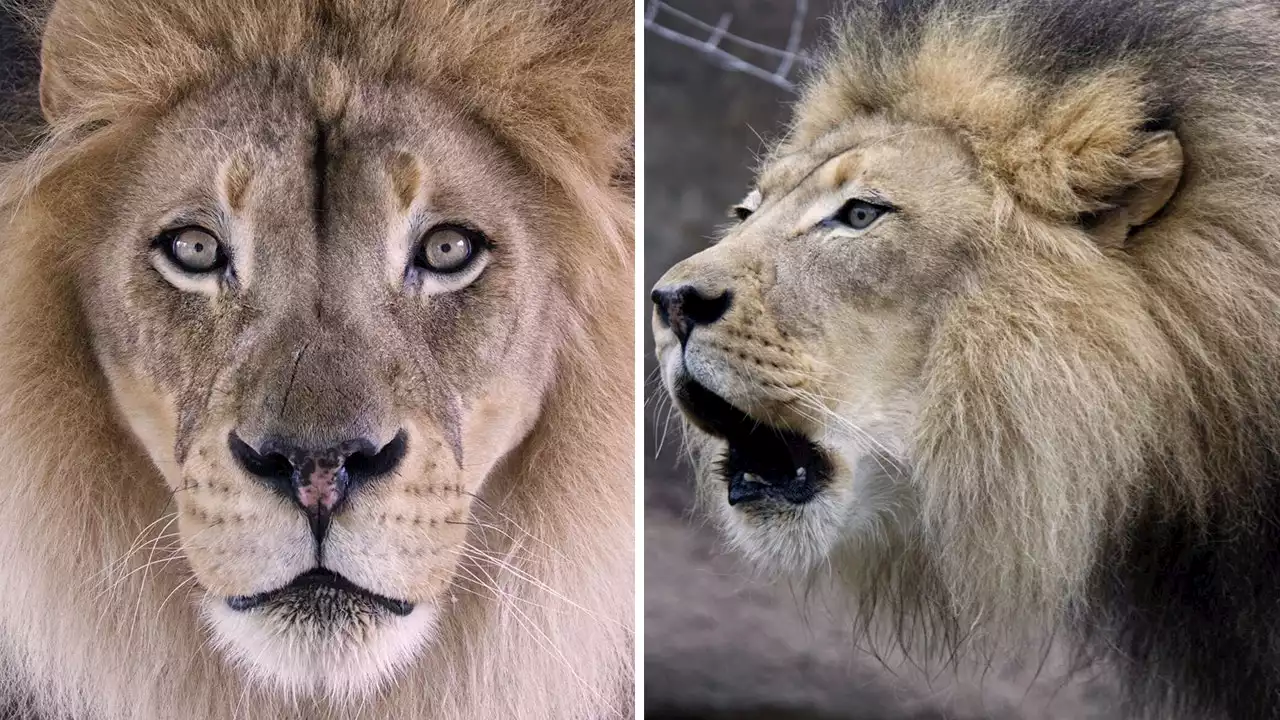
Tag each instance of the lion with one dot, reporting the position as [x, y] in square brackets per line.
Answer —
[995, 339]
[316, 363]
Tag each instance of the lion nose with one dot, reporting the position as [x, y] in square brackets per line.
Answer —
[318, 480]
[683, 307]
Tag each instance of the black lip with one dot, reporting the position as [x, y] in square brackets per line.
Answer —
[318, 578]
[762, 461]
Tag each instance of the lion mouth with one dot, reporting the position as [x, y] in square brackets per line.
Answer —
[762, 462]
[320, 593]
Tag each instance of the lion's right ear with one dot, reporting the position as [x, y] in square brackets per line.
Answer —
[53, 88]
[100, 59]
[63, 58]
[56, 91]
[1155, 169]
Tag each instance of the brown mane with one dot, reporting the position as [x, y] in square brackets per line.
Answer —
[1097, 438]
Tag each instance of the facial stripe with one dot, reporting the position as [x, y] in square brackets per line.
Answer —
[319, 169]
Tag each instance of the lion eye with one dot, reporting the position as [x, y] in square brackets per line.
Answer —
[448, 248]
[194, 250]
[744, 209]
[860, 214]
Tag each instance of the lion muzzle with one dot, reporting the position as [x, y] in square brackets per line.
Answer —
[318, 481]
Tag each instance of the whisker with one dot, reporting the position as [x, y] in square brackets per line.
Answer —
[476, 553]
[547, 644]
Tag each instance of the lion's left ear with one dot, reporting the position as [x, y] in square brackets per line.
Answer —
[1155, 169]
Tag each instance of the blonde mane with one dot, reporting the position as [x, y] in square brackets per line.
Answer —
[1097, 439]
[96, 620]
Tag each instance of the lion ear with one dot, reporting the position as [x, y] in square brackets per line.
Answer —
[53, 89]
[76, 50]
[57, 92]
[1155, 167]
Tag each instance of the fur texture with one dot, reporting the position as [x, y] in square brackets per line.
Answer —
[101, 614]
[1038, 418]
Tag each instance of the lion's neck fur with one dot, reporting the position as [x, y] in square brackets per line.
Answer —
[1117, 412]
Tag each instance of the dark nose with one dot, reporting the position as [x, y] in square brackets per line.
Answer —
[683, 307]
[319, 481]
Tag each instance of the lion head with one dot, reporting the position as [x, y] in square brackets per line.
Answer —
[1002, 303]
[308, 306]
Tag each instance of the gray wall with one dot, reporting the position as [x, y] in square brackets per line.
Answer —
[720, 642]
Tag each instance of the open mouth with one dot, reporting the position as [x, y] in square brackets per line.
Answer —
[317, 588]
[762, 461]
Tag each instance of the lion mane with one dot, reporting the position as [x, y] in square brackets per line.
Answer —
[1099, 437]
[91, 626]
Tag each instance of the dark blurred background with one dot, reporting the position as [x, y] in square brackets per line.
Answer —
[19, 75]
[721, 642]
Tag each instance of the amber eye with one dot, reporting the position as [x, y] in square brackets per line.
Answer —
[448, 249]
[860, 214]
[193, 249]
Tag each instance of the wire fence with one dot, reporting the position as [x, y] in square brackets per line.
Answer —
[723, 47]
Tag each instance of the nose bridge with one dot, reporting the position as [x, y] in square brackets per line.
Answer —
[707, 271]
[318, 384]
[735, 265]
[733, 274]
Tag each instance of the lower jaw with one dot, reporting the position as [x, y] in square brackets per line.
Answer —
[328, 622]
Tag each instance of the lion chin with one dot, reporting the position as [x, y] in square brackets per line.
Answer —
[320, 640]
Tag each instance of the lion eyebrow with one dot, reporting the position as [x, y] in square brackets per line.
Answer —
[840, 171]
[406, 178]
[236, 175]
[777, 173]
[767, 178]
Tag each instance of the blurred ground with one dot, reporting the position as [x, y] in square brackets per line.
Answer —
[718, 643]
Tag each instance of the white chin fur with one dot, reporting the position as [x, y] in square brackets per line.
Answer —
[787, 539]
[344, 664]
[862, 511]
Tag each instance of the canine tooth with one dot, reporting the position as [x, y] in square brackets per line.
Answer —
[800, 473]
[752, 477]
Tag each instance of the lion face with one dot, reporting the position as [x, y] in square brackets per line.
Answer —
[326, 318]
[896, 353]
[796, 344]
